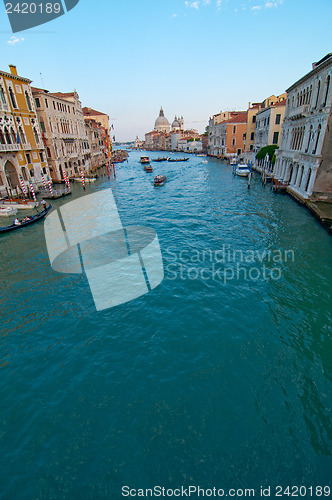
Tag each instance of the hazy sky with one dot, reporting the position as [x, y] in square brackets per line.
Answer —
[195, 58]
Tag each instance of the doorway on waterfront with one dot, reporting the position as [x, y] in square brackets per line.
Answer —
[290, 173]
[11, 175]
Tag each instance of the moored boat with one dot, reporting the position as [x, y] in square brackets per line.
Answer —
[7, 211]
[148, 168]
[27, 221]
[159, 180]
[145, 159]
[18, 203]
[233, 161]
[86, 179]
[242, 170]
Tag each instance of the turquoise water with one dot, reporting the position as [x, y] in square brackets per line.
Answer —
[215, 380]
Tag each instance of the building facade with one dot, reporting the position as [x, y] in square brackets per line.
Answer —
[62, 125]
[269, 121]
[304, 159]
[22, 151]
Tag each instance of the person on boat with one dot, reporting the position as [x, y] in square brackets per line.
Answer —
[43, 202]
[17, 222]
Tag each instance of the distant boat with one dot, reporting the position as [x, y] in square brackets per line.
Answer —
[148, 168]
[159, 180]
[31, 220]
[199, 154]
[7, 211]
[242, 170]
[145, 159]
[177, 159]
[160, 159]
[233, 161]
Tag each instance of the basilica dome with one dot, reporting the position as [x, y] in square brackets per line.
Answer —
[161, 123]
[176, 123]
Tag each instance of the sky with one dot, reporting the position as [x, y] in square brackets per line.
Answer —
[192, 57]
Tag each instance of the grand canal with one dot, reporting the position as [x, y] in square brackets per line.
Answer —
[219, 377]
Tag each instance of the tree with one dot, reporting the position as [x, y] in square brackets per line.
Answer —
[270, 150]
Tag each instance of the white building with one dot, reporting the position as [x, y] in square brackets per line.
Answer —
[304, 159]
[268, 124]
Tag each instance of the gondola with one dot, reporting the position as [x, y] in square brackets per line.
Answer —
[33, 219]
[177, 159]
[160, 159]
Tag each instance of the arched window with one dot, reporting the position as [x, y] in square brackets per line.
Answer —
[308, 180]
[302, 136]
[290, 173]
[317, 139]
[300, 176]
[35, 133]
[12, 98]
[310, 94]
[317, 96]
[48, 152]
[7, 135]
[28, 100]
[298, 99]
[1, 180]
[309, 139]
[327, 89]
[301, 98]
[22, 136]
[2, 138]
[2, 95]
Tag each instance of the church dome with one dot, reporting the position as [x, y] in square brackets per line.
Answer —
[161, 123]
[176, 123]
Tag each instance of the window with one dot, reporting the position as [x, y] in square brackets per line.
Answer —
[251, 147]
[28, 157]
[41, 154]
[233, 142]
[254, 119]
[37, 101]
[12, 98]
[234, 129]
[42, 126]
[327, 90]
[46, 103]
[275, 138]
[54, 105]
[308, 180]
[278, 117]
[22, 136]
[317, 139]
[2, 95]
[317, 97]
[252, 136]
[27, 97]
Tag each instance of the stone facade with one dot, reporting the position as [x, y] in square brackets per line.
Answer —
[304, 160]
[62, 124]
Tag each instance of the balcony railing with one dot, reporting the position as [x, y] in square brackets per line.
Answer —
[10, 147]
[4, 107]
[299, 112]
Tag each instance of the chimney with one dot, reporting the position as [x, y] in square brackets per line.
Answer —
[13, 69]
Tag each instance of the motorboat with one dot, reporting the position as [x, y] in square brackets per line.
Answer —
[233, 161]
[145, 159]
[148, 168]
[242, 170]
[159, 180]
[7, 211]
[86, 179]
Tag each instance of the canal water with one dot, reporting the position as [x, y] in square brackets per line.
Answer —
[219, 377]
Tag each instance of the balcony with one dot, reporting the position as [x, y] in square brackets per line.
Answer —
[299, 112]
[26, 146]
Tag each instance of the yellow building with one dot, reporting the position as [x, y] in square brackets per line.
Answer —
[22, 152]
